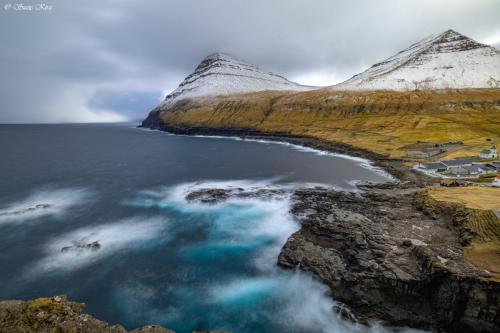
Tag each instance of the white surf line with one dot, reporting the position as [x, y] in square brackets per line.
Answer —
[363, 162]
[44, 202]
[90, 244]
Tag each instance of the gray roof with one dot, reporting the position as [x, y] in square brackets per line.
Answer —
[459, 162]
[437, 165]
[458, 170]
[473, 168]
[486, 167]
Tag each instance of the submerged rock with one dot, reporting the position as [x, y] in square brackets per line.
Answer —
[94, 246]
[214, 196]
[26, 210]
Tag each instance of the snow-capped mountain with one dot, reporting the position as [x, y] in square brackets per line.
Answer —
[222, 74]
[446, 60]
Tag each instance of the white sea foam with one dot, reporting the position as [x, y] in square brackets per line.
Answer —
[308, 306]
[112, 237]
[56, 202]
[302, 302]
[236, 221]
[246, 290]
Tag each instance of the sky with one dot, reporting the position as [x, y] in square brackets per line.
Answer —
[114, 60]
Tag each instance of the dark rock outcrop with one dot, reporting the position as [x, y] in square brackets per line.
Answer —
[384, 258]
[25, 210]
[388, 261]
[94, 246]
[59, 315]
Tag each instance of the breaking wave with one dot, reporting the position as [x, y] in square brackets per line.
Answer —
[233, 282]
[88, 245]
[55, 202]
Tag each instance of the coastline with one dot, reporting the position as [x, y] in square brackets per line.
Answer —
[393, 167]
[419, 285]
[383, 253]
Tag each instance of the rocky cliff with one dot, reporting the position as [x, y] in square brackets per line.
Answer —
[58, 315]
[385, 257]
[388, 260]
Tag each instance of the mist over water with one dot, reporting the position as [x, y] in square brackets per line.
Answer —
[162, 260]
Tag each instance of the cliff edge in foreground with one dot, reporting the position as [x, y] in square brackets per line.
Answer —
[59, 315]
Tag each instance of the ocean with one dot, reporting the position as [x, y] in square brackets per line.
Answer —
[162, 260]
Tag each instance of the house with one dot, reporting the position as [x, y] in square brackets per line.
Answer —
[496, 182]
[456, 163]
[486, 169]
[426, 152]
[433, 167]
[458, 171]
[495, 165]
[417, 154]
[464, 168]
[473, 170]
[489, 153]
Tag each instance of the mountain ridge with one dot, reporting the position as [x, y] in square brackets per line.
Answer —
[223, 74]
[440, 61]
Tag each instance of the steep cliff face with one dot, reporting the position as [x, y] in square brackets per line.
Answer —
[470, 210]
[223, 74]
[388, 261]
[388, 107]
[447, 60]
[385, 122]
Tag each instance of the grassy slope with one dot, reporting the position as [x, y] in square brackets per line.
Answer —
[484, 251]
[384, 122]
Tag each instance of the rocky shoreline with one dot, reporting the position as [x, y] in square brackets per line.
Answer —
[380, 253]
[57, 315]
[383, 257]
[389, 261]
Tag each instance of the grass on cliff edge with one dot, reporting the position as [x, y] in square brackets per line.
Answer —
[384, 122]
[471, 197]
[484, 250]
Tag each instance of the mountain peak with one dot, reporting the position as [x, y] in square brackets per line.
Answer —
[220, 56]
[445, 60]
[452, 41]
[223, 74]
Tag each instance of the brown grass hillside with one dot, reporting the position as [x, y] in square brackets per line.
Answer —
[472, 208]
[386, 122]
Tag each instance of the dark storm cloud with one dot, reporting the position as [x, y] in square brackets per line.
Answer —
[109, 60]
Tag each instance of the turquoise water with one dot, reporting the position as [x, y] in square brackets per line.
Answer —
[162, 260]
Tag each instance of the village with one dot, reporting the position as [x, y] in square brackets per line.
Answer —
[484, 168]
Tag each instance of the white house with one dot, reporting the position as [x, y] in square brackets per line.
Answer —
[496, 182]
[489, 153]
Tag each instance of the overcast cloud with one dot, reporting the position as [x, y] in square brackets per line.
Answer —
[95, 60]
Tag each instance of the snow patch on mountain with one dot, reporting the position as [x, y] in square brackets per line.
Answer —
[222, 74]
[446, 60]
